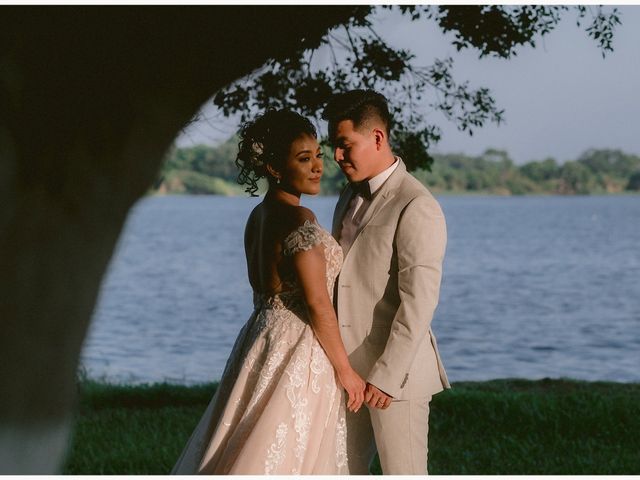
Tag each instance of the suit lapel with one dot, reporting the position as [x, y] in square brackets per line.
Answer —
[341, 209]
[381, 198]
[383, 195]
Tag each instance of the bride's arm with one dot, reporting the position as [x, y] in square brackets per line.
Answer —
[310, 266]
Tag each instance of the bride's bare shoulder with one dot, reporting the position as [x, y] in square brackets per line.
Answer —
[297, 217]
[253, 221]
[300, 215]
[279, 222]
[257, 211]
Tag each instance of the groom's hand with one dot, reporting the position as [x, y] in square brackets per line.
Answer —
[376, 398]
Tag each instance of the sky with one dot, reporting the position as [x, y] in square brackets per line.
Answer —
[560, 98]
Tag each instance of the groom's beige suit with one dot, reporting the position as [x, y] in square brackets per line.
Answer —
[386, 295]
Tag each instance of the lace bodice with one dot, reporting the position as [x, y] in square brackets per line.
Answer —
[303, 238]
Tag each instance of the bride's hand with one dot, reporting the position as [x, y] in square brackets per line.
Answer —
[354, 385]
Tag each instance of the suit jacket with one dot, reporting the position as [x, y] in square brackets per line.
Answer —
[389, 285]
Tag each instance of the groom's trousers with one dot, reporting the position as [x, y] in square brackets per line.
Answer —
[399, 433]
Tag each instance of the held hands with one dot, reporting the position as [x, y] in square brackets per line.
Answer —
[354, 386]
[376, 398]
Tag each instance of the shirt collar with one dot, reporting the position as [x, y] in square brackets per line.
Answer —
[376, 182]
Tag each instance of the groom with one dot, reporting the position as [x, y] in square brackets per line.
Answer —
[393, 235]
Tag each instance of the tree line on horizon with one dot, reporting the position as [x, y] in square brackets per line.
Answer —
[204, 169]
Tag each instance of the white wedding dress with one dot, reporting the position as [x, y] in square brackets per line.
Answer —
[279, 408]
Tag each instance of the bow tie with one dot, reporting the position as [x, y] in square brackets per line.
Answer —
[362, 188]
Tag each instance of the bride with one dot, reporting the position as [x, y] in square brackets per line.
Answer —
[280, 405]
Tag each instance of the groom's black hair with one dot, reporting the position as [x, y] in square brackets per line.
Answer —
[359, 106]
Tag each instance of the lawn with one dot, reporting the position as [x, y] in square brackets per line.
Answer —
[507, 427]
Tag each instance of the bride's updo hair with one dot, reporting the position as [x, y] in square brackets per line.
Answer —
[266, 140]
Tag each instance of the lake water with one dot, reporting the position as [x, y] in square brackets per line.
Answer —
[533, 287]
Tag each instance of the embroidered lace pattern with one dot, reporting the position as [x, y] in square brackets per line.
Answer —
[278, 394]
[303, 238]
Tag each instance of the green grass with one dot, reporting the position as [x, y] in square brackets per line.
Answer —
[506, 427]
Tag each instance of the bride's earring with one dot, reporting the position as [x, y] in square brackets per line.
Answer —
[278, 180]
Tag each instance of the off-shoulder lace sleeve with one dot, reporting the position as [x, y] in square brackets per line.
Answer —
[304, 237]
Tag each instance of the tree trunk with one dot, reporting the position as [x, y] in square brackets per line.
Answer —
[90, 100]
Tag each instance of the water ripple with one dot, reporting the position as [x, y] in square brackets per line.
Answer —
[533, 287]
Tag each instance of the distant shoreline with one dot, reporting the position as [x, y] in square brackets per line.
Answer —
[204, 169]
[469, 193]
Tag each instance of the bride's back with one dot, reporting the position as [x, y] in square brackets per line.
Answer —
[267, 227]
